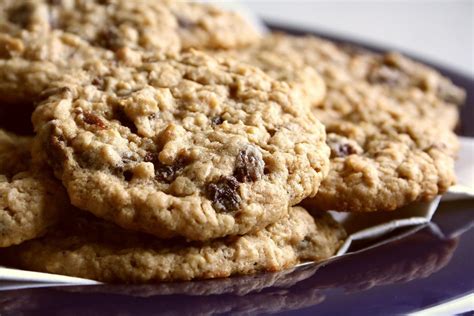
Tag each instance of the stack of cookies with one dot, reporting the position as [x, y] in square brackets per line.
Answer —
[173, 142]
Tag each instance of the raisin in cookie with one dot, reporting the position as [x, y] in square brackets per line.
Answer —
[381, 161]
[90, 248]
[30, 201]
[385, 152]
[185, 146]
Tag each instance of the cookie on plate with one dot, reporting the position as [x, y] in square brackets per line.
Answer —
[202, 25]
[384, 151]
[144, 25]
[42, 41]
[303, 79]
[91, 248]
[183, 146]
[31, 63]
[413, 87]
[381, 161]
[30, 200]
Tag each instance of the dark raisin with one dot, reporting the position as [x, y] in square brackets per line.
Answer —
[234, 92]
[128, 175]
[249, 165]
[150, 157]
[21, 15]
[224, 194]
[341, 146]
[266, 170]
[166, 173]
[110, 39]
[342, 150]
[185, 23]
[92, 119]
[120, 115]
[98, 82]
[217, 120]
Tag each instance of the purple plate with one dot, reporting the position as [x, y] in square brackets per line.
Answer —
[426, 268]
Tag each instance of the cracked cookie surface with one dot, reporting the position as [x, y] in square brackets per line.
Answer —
[384, 167]
[385, 152]
[31, 63]
[303, 79]
[30, 200]
[41, 41]
[411, 86]
[91, 248]
[185, 146]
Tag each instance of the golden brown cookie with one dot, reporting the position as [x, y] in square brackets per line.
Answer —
[385, 152]
[184, 146]
[87, 247]
[42, 41]
[30, 200]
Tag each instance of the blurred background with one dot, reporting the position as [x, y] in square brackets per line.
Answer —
[436, 30]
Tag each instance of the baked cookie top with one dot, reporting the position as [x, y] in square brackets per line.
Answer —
[410, 85]
[381, 159]
[90, 248]
[302, 78]
[140, 24]
[30, 201]
[385, 152]
[145, 25]
[183, 146]
[205, 26]
[42, 41]
[32, 63]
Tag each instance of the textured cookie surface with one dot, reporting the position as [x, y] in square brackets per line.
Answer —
[383, 167]
[302, 78]
[30, 201]
[90, 248]
[381, 158]
[145, 25]
[185, 146]
[385, 152]
[205, 26]
[31, 63]
[40, 41]
[422, 91]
